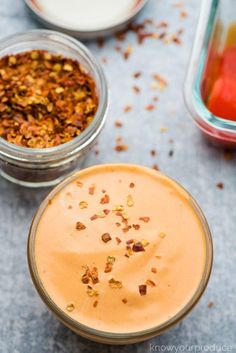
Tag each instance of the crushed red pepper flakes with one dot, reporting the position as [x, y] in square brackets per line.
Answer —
[144, 219]
[94, 217]
[92, 292]
[109, 264]
[118, 224]
[130, 241]
[90, 274]
[105, 199]
[137, 74]
[49, 99]
[118, 240]
[83, 204]
[155, 167]
[92, 189]
[210, 305]
[150, 107]
[130, 201]
[115, 284]
[121, 148]
[154, 270]
[70, 307]
[79, 184]
[136, 89]
[153, 153]
[118, 124]
[142, 289]
[136, 226]
[220, 185]
[80, 226]
[95, 304]
[106, 237]
[131, 185]
[127, 108]
[150, 283]
[127, 52]
[138, 246]
[124, 301]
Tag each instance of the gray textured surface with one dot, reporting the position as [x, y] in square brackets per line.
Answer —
[26, 325]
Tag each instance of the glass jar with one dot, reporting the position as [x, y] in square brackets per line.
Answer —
[108, 337]
[216, 17]
[37, 167]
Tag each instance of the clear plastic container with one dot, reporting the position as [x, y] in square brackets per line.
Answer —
[35, 167]
[216, 17]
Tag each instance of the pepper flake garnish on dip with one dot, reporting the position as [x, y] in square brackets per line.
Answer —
[129, 255]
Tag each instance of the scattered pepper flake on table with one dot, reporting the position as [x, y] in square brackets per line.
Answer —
[50, 101]
[220, 185]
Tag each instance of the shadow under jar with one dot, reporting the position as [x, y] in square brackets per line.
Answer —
[38, 167]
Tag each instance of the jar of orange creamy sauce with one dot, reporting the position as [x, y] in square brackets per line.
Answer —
[119, 253]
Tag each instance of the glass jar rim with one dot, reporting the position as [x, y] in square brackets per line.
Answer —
[78, 143]
[192, 87]
[110, 337]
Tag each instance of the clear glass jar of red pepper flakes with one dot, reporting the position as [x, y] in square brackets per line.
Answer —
[53, 105]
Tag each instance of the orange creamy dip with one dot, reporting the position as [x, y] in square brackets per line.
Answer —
[141, 205]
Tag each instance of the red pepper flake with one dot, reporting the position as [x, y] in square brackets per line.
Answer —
[154, 270]
[118, 240]
[49, 202]
[103, 191]
[131, 185]
[126, 229]
[142, 289]
[153, 153]
[210, 305]
[137, 74]
[136, 226]
[130, 241]
[150, 107]
[220, 185]
[46, 99]
[124, 301]
[109, 264]
[118, 124]
[94, 217]
[144, 219]
[95, 303]
[106, 212]
[80, 226]
[105, 199]
[136, 89]
[79, 184]
[106, 237]
[183, 14]
[121, 148]
[137, 247]
[127, 52]
[92, 189]
[150, 283]
[115, 284]
[118, 224]
[92, 292]
[155, 167]
[127, 108]
[90, 274]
